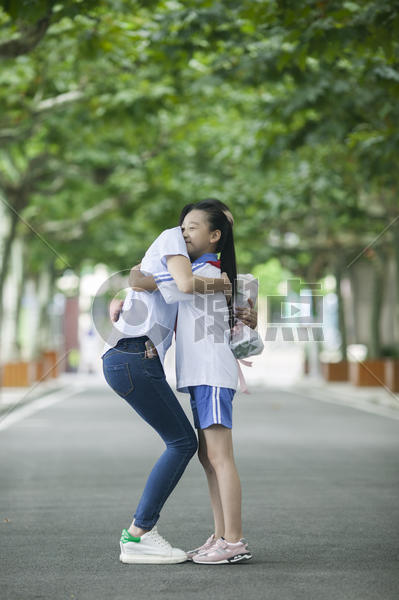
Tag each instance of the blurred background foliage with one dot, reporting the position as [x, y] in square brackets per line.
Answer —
[114, 114]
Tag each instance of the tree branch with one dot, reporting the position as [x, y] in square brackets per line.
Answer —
[28, 40]
[88, 215]
[59, 100]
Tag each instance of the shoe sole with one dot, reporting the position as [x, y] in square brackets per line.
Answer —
[225, 561]
[152, 559]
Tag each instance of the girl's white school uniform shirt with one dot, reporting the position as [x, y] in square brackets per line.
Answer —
[147, 313]
[203, 354]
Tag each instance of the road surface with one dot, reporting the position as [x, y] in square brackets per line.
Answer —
[320, 502]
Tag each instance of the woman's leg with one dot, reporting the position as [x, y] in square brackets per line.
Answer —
[212, 485]
[142, 383]
[219, 446]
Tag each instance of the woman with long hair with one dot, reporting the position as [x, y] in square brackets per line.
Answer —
[207, 369]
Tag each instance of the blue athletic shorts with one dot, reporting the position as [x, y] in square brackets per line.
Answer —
[211, 405]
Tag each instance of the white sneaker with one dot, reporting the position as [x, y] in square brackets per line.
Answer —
[149, 548]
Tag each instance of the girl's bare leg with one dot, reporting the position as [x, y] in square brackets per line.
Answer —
[212, 485]
[219, 447]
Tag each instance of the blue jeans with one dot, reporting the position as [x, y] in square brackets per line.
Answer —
[141, 382]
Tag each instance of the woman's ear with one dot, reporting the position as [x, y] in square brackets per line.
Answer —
[216, 235]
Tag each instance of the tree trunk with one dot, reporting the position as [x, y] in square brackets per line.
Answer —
[17, 345]
[314, 273]
[49, 323]
[353, 328]
[377, 296]
[396, 259]
[40, 320]
[6, 254]
[341, 309]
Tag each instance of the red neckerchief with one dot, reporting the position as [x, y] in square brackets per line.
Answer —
[215, 263]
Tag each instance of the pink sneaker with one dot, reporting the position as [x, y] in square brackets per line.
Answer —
[224, 552]
[204, 548]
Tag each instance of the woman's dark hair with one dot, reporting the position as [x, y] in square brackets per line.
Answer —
[214, 201]
[184, 211]
[218, 220]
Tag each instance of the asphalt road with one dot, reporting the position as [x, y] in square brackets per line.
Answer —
[320, 503]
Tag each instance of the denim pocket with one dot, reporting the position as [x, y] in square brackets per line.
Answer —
[119, 378]
[153, 368]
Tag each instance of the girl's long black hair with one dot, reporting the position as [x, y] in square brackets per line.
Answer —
[213, 201]
[218, 220]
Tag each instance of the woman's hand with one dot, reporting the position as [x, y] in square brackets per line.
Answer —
[140, 282]
[115, 309]
[249, 316]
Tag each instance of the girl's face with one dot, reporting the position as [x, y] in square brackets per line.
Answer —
[198, 238]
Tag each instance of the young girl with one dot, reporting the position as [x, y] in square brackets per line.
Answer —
[133, 367]
[207, 369]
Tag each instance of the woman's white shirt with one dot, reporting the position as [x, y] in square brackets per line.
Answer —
[147, 313]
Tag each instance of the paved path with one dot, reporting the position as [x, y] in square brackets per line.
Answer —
[320, 499]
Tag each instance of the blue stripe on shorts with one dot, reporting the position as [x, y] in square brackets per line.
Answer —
[211, 405]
